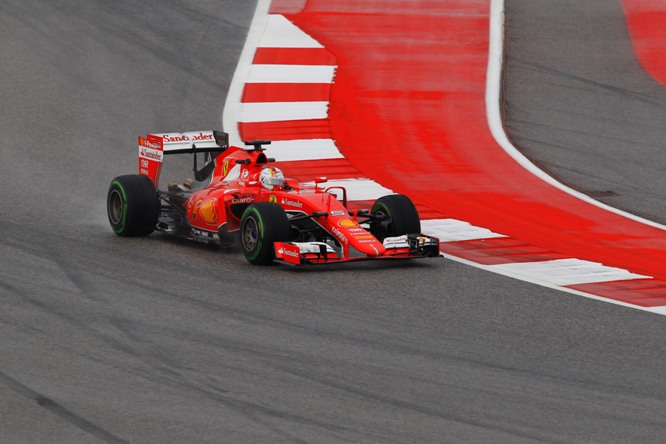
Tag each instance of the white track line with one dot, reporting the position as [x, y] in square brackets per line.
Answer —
[357, 188]
[232, 105]
[281, 33]
[282, 111]
[453, 230]
[568, 272]
[291, 74]
[303, 149]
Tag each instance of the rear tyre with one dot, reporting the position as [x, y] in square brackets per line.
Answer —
[399, 216]
[262, 224]
[132, 205]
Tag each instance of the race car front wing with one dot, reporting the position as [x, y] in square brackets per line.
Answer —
[408, 246]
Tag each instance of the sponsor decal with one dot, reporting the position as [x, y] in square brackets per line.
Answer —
[395, 240]
[288, 252]
[245, 174]
[171, 138]
[144, 163]
[150, 153]
[364, 236]
[151, 142]
[291, 253]
[242, 200]
[202, 136]
[272, 199]
[347, 223]
[145, 172]
[205, 233]
[338, 213]
[291, 203]
[225, 167]
[340, 235]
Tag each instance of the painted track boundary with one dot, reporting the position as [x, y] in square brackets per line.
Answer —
[438, 224]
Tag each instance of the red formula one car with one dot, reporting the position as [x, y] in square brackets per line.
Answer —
[236, 190]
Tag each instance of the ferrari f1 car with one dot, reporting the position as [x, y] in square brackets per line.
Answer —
[238, 191]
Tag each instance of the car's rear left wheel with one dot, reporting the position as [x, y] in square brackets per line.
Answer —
[132, 205]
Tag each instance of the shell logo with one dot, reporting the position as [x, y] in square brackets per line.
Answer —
[347, 223]
[207, 211]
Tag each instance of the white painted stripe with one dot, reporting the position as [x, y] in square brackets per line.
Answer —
[232, 105]
[291, 74]
[281, 33]
[357, 188]
[303, 149]
[280, 111]
[566, 272]
[493, 111]
[453, 230]
[657, 310]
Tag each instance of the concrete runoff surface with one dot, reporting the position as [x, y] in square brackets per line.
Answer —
[581, 106]
[160, 340]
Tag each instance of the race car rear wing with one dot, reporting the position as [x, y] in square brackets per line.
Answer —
[153, 147]
[199, 141]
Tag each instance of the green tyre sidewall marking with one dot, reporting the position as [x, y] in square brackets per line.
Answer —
[384, 209]
[120, 229]
[260, 229]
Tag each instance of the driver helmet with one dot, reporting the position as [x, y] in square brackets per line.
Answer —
[271, 177]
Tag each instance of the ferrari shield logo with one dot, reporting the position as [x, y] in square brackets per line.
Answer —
[272, 199]
[225, 168]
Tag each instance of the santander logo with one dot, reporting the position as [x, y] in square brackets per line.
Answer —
[148, 153]
[171, 138]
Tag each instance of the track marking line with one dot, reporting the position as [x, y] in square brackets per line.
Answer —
[281, 111]
[453, 230]
[291, 74]
[568, 272]
[306, 149]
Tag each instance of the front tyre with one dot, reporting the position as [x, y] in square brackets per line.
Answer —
[262, 224]
[397, 215]
[132, 205]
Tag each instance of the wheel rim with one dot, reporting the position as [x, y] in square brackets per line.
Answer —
[115, 207]
[250, 234]
[383, 228]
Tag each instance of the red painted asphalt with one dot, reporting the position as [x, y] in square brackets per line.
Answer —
[408, 110]
[647, 25]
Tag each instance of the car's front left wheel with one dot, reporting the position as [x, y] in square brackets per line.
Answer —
[395, 215]
[262, 224]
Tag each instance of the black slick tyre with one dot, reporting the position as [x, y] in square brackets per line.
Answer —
[132, 205]
[398, 216]
[262, 224]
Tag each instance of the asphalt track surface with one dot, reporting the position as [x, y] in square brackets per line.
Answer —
[156, 340]
[581, 106]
